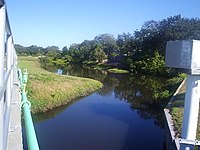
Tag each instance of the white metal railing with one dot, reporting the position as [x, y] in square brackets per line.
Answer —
[8, 59]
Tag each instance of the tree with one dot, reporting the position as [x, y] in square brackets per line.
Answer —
[51, 48]
[35, 50]
[87, 47]
[127, 47]
[76, 53]
[156, 64]
[64, 50]
[108, 44]
[138, 50]
[99, 54]
[21, 50]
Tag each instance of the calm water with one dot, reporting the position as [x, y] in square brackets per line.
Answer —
[120, 116]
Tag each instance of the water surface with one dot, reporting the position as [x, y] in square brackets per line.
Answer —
[120, 116]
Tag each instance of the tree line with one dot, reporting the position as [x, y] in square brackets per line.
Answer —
[140, 51]
[35, 50]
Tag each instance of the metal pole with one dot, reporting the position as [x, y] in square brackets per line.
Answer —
[2, 51]
[191, 111]
[8, 89]
[8, 67]
[12, 64]
[14, 55]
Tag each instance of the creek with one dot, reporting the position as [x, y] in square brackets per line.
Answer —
[123, 115]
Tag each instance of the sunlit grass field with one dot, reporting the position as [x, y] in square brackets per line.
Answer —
[47, 90]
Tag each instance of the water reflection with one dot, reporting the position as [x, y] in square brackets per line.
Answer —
[51, 113]
[109, 84]
[138, 91]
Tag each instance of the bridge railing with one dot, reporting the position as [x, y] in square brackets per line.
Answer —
[8, 62]
[25, 104]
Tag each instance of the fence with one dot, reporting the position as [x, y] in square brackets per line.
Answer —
[8, 62]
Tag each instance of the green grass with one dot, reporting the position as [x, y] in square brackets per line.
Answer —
[32, 64]
[116, 70]
[104, 66]
[101, 66]
[177, 116]
[47, 90]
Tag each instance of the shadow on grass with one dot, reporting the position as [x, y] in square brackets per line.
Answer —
[178, 100]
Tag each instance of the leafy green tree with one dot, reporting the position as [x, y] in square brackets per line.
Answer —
[108, 44]
[99, 54]
[64, 50]
[51, 48]
[21, 50]
[156, 64]
[76, 53]
[31, 50]
[138, 50]
[52, 53]
[68, 58]
[87, 47]
[127, 48]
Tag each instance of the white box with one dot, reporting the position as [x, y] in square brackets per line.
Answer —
[183, 54]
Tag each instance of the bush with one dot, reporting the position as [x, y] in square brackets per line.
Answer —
[154, 65]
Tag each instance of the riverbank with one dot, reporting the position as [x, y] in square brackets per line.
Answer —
[47, 90]
[110, 67]
[176, 109]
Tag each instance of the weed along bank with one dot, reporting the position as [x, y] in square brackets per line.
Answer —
[185, 55]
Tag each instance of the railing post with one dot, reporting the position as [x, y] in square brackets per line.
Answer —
[191, 111]
[9, 67]
[8, 88]
[2, 51]
[12, 63]
[14, 56]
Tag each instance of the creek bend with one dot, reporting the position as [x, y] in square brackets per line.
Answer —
[120, 116]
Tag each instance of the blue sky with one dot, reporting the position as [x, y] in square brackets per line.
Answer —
[63, 22]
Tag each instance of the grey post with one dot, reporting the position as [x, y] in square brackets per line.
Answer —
[185, 55]
[2, 50]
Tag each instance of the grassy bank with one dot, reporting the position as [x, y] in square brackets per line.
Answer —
[105, 66]
[116, 70]
[47, 90]
[176, 108]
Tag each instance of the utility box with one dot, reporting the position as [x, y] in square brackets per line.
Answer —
[184, 54]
